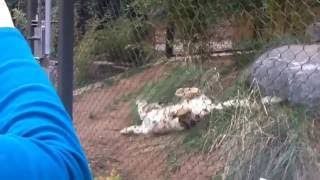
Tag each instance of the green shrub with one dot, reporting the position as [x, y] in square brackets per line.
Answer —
[84, 56]
[121, 41]
[164, 90]
[20, 19]
[191, 17]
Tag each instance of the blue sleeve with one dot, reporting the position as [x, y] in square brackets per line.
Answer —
[37, 137]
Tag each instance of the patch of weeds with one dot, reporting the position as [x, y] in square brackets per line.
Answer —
[130, 96]
[134, 109]
[114, 175]
[219, 176]
[250, 44]
[163, 91]
[194, 139]
[242, 61]
[173, 163]
[109, 82]
[209, 130]
[272, 42]
[226, 70]
[132, 71]
[83, 83]
[274, 145]
[212, 129]
[241, 85]
[285, 39]
[134, 114]
[127, 47]
[272, 142]
[106, 83]
[219, 122]
[297, 116]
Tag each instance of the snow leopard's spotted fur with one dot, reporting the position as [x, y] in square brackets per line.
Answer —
[184, 115]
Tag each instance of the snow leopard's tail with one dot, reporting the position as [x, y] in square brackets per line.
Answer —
[132, 130]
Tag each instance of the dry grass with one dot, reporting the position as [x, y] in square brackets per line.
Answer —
[272, 142]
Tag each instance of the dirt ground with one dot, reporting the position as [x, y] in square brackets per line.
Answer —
[99, 115]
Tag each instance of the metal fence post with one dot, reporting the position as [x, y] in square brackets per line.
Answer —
[65, 53]
[31, 15]
[47, 45]
[170, 40]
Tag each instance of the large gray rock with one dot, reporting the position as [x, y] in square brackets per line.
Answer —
[313, 32]
[291, 72]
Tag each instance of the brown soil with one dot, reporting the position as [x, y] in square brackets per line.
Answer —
[98, 116]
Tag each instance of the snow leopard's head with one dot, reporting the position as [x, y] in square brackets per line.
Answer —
[186, 118]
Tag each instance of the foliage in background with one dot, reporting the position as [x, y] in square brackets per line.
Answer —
[83, 57]
[19, 4]
[120, 42]
[163, 91]
[274, 18]
[18, 13]
[125, 29]
[192, 18]
[20, 19]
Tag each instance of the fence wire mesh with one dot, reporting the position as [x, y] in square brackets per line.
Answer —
[198, 89]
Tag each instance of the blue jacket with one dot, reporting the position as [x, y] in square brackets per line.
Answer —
[37, 137]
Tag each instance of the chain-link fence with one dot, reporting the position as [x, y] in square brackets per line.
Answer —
[198, 89]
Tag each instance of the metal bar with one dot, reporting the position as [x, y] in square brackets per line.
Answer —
[170, 39]
[65, 53]
[31, 15]
[47, 48]
[39, 10]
